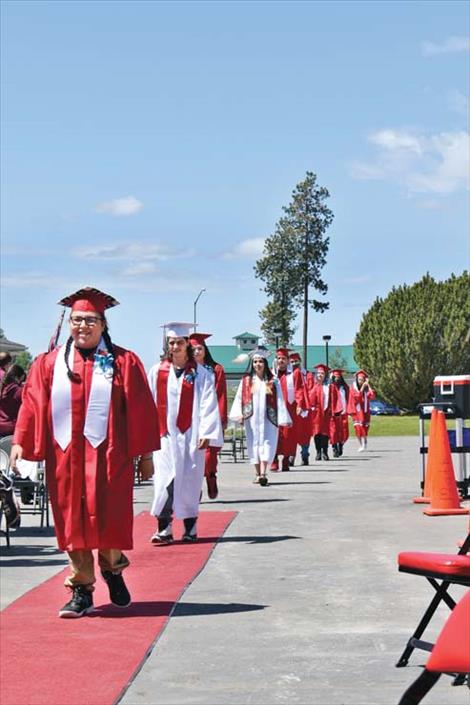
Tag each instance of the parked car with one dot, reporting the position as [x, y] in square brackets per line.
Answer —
[383, 408]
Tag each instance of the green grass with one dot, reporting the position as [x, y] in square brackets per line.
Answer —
[393, 426]
[398, 426]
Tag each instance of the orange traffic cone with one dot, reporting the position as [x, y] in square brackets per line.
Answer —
[431, 462]
[444, 495]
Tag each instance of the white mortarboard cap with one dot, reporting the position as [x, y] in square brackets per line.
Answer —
[260, 352]
[177, 329]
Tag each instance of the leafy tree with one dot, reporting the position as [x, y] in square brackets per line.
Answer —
[414, 334]
[24, 359]
[277, 317]
[295, 254]
[336, 360]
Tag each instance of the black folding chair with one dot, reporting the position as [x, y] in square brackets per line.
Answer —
[441, 570]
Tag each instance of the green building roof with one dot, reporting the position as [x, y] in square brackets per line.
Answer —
[246, 335]
[338, 356]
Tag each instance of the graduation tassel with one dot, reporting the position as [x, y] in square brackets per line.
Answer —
[56, 335]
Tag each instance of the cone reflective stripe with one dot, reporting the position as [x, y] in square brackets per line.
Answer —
[444, 496]
[430, 463]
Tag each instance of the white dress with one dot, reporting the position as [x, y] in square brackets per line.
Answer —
[261, 434]
[179, 458]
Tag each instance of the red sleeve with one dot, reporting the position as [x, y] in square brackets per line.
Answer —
[299, 390]
[143, 433]
[354, 398]
[31, 426]
[221, 391]
[336, 405]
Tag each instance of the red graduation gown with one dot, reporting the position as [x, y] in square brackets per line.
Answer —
[287, 439]
[303, 424]
[321, 414]
[359, 408]
[90, 488]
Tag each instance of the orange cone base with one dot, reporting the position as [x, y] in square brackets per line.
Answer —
[421, 500]
[442, 512]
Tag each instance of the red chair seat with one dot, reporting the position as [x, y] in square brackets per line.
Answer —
[451, 652]
[445, 563]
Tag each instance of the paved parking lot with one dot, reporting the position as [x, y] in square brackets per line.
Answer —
[301, 601]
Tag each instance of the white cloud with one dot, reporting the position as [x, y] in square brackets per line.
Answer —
[138, 251]
[139, 269]
[430, 164]
[394, 140]
[450, 45]
[246, 248]
[120, 206]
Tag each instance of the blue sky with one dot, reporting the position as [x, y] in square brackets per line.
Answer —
[148, 149]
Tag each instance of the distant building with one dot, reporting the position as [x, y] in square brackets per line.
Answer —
[234, 358]
[8, 346]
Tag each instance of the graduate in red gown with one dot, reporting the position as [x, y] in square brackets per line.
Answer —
[303, 421]
[360, 396]
[294, 397]
[339, 428]
[324, 402]
[203, 356]
[88, 411]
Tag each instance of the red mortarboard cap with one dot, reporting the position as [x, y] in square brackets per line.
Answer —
[282, 351]
[89, 299]
[324, 368]
[198, 338]
[362, 372]
[337, 372]
[295, 356]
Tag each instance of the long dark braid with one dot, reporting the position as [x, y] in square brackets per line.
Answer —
[109, 345]
[73, 376]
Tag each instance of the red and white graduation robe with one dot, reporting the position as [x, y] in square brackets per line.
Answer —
[210, 464]
[261, 405]
[293, 393]
[339, 428]
[324, 402]
[303, 422]
[90, 488]
[188, 411]
[359, 409]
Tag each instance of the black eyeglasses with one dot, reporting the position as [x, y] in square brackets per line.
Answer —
[87, 320]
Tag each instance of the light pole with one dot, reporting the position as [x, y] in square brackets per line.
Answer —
[195, 304]
[277, 332]
[326, 338]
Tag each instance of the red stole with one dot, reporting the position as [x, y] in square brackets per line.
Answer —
[185, 410]
[247, 400]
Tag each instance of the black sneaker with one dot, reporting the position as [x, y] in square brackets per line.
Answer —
[118, 592]
[80, 604]
[190, 530]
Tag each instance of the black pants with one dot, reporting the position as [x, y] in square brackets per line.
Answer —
[166, 514]
[321, 442]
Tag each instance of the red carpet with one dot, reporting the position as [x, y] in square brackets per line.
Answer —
[90, 661]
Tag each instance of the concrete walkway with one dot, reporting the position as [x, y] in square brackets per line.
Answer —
[301, 601]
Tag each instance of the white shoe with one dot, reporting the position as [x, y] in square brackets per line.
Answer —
[361, 449]
[164, 536]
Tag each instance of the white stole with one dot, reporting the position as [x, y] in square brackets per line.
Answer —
[326, 395]
[97, 414]
[290, 387]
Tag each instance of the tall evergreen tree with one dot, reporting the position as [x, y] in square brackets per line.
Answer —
[414, 334]
[294, 256]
